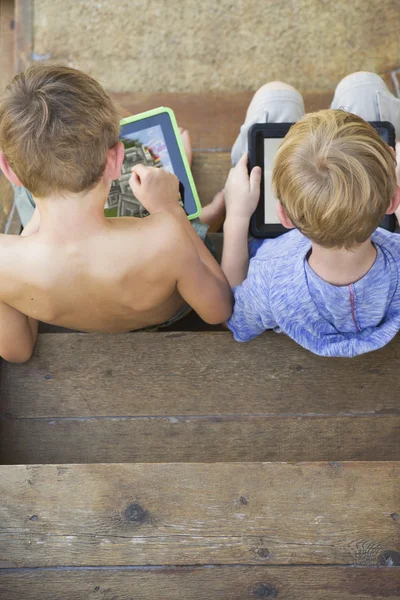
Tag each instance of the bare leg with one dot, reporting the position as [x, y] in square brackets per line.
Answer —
[214, 213]
[187, 144]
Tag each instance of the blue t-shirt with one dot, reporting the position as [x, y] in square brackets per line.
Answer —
[283, 293]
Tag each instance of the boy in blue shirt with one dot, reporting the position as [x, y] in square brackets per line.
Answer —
[333, 283]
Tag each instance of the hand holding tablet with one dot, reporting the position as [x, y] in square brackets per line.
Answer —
[151, 139]
[156, 189]
[242, 190]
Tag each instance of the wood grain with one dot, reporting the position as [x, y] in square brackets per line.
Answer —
[214, 120]
[6, 42]
[210, 170]
[186, 514]
[200, 583]
[199, 439]
[23, 34]
[79, 375]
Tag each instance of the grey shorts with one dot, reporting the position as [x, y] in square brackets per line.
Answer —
[362, 93]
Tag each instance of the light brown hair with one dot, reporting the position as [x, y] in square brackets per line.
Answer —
[335, 178]
[56, 126]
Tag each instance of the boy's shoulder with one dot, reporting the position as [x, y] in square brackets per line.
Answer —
[387, 240]
[283, 249]
[159, 231]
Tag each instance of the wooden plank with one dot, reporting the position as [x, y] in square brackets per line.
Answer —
[192, 514]
[198, 439]
[6, 42]
[198, 583]
[23, 34]
[78, 375]
[213, 120]
[210, 170]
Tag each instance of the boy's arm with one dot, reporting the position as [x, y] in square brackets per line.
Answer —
[241, 197]
[18, 334]
[200, 280]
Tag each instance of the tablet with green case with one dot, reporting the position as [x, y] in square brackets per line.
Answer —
[152, 138]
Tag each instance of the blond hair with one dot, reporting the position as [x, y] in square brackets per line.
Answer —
[56, 127]
[335, 178]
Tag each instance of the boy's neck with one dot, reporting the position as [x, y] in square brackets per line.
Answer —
[69, 215]
[340, 266]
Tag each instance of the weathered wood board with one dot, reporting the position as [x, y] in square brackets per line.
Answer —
[198, 439]
[202, 583]
[192, 514]
[78, 375]
[87, 398]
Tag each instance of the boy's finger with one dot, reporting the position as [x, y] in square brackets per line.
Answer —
[255, 178]
[134, 180]
[140, 170]
[244, 158]
[242, 164]
[241, 167]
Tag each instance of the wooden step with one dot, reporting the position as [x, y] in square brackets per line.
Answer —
[89, 398]
[213, 120]
[243, 531]
[186, 514]
[208, 582]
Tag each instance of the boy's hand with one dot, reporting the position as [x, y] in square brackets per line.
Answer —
[242, 191]
[155, 188]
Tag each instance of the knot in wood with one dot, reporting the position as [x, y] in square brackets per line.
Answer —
[395, 516]
[135, 513]
[390, 558]
[263, 553]
[263, 590]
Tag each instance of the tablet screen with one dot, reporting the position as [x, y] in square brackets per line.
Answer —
[271, 146]
[147, 147]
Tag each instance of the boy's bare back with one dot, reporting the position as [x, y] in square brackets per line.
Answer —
[71, 266]
[120, 278]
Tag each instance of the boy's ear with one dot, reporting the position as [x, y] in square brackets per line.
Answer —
[282, 216]
[8, 172]
[115, 158]
[395, 202]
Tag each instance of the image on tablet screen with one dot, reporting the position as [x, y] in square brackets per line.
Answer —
[271, 146]
[146, 147]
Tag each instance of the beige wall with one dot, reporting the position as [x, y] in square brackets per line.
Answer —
[218, 45]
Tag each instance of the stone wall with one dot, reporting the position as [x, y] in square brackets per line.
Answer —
[218, 45]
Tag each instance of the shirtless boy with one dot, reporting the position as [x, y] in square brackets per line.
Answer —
[71, 266]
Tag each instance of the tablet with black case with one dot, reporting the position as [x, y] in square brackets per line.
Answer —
[153, 139]
[264, 140]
